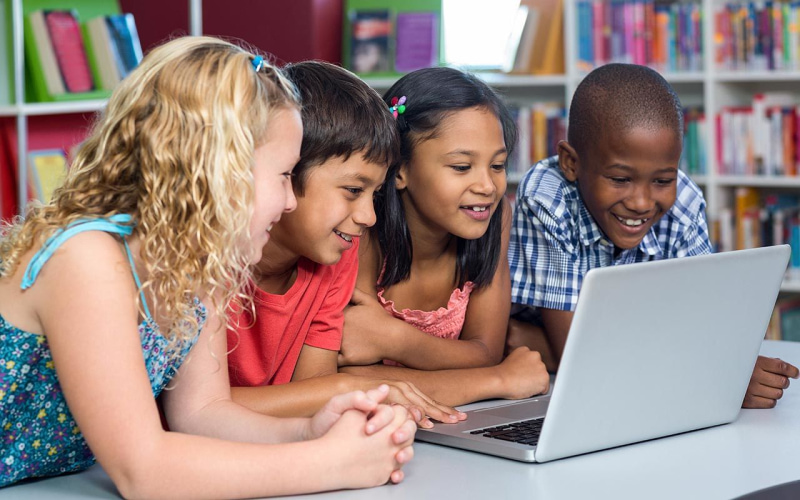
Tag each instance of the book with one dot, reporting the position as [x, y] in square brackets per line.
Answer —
[122, 30]
[417, 41]
[42, 53]
[103, 56]
[65, 35]
[514, 38]
[46, 171]
[547, 52]
[370, 36]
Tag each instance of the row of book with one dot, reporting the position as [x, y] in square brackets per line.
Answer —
[67, 57]
[693, 159]
[757, 36]
[539, 127]
[667, 36]
[757, 219]
[785, 321]
[761, 139]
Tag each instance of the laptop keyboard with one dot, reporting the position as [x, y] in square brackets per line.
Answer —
[524, 432]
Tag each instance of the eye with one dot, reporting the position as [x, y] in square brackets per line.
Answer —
[354, 191]
[499, 166]
[460, 168]
[619, 180]
[664, 182]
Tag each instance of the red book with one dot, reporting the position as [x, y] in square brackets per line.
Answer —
[65, 34]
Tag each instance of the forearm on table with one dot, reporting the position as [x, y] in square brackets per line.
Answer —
[210, 468]
[301, 398]
[229, 420]
[449, 387]
[416, 349]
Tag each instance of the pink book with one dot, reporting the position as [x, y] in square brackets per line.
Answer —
[638, 30]
[65, 34]
[630, 31]
[598, 25]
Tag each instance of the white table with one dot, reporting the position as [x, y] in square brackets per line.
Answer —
[760, 449]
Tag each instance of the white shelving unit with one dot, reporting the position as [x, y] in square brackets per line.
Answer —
[21, 110]
[711, 88]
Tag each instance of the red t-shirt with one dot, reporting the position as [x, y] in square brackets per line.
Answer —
[310, 312]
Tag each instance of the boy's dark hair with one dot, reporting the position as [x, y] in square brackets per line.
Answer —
[619, 97]
[342, 116]
[432, 94]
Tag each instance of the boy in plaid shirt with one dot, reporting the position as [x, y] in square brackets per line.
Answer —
[613, 195]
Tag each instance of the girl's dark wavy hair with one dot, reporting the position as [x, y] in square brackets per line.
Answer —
[432, 94]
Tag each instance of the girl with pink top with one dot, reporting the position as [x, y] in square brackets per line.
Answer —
[433, 293]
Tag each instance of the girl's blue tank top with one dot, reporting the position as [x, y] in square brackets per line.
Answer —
[38, 435]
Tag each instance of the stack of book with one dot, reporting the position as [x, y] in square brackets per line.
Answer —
[666, 36]
[693, 159]
[760, 139]
[69, 60]
[757, 36]
[756, 221]
[540, 127]
[536, 43]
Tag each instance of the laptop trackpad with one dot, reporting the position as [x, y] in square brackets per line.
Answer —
[519, 411]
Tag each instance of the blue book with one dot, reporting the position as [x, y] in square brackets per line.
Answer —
[122, 29]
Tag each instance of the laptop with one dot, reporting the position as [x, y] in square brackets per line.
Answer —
[654, 349]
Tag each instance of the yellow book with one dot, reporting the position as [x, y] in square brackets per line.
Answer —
[46, 171]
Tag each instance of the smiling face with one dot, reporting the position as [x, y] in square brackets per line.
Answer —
[627, 181]
[336, 207]
[274, 161]
[455, 181]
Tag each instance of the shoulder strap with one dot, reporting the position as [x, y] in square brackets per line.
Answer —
[121, 224]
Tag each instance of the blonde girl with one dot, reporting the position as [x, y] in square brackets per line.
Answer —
[119, 287]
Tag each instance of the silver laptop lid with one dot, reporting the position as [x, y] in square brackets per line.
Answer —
[660, 348]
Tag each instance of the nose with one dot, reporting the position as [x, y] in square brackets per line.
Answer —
[484, 183]
[364, 215]
[291, 200]
[640, 200]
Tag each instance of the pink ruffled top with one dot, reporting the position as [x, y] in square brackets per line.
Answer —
[445, 322]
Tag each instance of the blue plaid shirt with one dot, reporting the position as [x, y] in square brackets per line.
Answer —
[555, 241]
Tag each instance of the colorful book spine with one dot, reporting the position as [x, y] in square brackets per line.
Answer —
[757, 35]
[667, 36]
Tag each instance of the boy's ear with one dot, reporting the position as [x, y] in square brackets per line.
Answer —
[400, 178]
[568, 161]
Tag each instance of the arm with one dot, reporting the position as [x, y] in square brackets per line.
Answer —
[372, 335]
[520, 375]
[556, 327]
[316, 380]
[87, 308]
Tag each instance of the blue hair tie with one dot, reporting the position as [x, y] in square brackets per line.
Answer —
[258, 63]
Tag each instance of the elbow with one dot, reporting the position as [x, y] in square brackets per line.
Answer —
[135, 472]
[135, 481]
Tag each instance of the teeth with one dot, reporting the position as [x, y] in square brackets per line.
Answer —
[477, 209]
[345, 237]
[269, 228]
[632, 222]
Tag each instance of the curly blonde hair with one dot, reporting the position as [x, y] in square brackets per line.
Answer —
[175, 150]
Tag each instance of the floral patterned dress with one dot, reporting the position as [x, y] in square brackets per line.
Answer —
[39, 434]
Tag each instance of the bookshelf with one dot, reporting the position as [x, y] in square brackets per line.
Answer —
[17, 108]
[711, 87]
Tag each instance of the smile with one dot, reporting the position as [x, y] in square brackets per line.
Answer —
[476, 209]
[345, 237]
[631, 222]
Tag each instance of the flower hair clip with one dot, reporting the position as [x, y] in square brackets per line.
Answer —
[398, 106]
[258, 63]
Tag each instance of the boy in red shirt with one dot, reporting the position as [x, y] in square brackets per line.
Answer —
[308, 270]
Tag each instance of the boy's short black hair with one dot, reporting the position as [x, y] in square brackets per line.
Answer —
[616, 98]
[341, 116]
